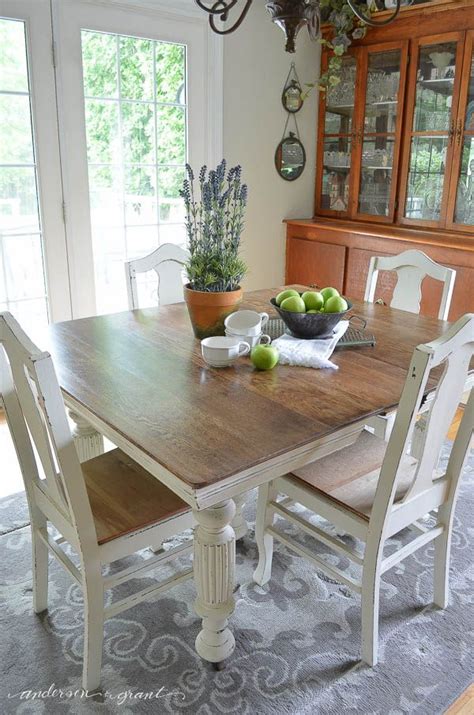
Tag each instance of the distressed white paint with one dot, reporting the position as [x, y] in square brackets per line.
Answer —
[411, 268]
[168, 263]
[214, 575]
[39, 426]
[429, 492]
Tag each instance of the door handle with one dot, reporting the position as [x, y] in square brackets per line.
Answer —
[459, 131]
[452, 132]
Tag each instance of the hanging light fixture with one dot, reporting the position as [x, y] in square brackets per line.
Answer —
[290, 15]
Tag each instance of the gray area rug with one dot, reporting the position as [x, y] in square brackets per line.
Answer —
[298, 640]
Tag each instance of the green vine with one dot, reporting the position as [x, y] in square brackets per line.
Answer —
[346, 28]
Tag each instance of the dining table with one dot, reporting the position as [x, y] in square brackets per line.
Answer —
[211, 435]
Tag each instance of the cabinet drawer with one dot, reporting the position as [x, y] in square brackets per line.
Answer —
[311, 262]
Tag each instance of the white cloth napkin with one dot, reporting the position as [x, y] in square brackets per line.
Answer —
[310, 353]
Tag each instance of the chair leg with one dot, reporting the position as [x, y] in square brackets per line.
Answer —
[93, 631]
[441, 568]
[263, 572]
[370, 613]
[40, 568]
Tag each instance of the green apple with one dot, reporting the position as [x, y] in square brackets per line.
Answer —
[294, 304]
[288, 293]
[336, 304]
[314, 311]
[329, 293]
[313, 300]
[264, 357]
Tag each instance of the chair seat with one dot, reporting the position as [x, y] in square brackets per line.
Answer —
[350, 476]
[124, 497]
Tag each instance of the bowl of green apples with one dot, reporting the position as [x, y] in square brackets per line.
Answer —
[312, 314]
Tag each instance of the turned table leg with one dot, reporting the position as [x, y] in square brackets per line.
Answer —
[89, 443]
[239, 523]
[214, 571]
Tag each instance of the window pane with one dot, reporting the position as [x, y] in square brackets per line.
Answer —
[103, 138]
[13, 75]
[171, 135]
[138, 129]
[136, 150]
[106, 195]
[16, 142]
[22, 276]
[376, 175]
[170, 73]
[18, 200]
[23, 266]
[465, 196]
[336, 171]
[136, 68]
[381, 105]
[99, 53]
[140, 195]
[434, 87]
[426, 178]
[170, 181]
[340, 101]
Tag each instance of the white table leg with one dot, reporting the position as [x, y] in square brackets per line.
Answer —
[239, 523]
[89, 443]
[214, 572]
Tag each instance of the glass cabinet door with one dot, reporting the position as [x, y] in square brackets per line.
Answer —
[463, 170]
[431, 139]
[338, 120]
[379, 132]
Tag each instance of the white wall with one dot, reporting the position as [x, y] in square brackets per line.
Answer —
[255, 70]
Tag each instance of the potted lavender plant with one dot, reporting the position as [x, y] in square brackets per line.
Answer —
[214, 222]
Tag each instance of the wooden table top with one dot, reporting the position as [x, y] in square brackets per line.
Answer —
[142, 373]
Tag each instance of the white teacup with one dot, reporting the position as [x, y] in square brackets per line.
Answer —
[220, 351]
[246, 322]
[252, 340]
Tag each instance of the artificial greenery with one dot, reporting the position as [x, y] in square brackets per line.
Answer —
[214, 223]
[347, 27]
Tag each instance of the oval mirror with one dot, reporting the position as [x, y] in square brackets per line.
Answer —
[291, 97]
[290, 158]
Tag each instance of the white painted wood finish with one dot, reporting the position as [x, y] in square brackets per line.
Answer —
[38, 422]
[168, 263]
[411, 268]
[429, 493]
[214, 543]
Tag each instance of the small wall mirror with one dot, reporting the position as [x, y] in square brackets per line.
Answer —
[290, 158]
[291, 97]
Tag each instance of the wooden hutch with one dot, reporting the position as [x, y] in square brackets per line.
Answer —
[395, 158]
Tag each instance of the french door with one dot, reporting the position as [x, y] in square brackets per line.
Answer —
[34, 271]
[134, 98]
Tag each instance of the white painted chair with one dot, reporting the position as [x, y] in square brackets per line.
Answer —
[105, 509]
[167, 261]
[373, 490]
[411, 267]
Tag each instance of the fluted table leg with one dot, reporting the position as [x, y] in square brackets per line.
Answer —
[239, 523]
[89, 443]
[214, 573]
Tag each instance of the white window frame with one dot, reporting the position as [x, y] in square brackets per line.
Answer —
[184, 24]
[36, 14]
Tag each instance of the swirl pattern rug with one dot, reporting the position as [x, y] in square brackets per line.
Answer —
[297, 639]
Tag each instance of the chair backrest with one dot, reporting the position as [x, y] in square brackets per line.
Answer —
[411, 268]
[451, 354]
[167, 262]
[42, 437]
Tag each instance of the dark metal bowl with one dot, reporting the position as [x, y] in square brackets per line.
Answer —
[311, 325]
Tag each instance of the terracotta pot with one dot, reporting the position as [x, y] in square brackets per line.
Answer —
[209, 310]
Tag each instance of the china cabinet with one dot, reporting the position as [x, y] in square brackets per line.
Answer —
[395, 158]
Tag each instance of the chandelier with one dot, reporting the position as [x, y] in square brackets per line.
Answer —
[290, 15]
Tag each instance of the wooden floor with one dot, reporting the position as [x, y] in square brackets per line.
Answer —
[464, 705]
